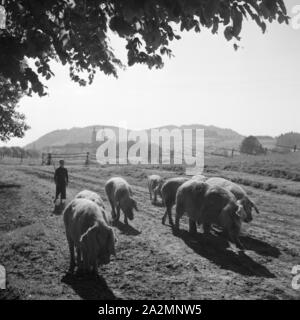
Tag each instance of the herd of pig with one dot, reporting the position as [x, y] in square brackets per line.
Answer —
[206, 202]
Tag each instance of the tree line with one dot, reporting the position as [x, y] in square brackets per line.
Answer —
[284, 143]
[289, 139]
[18, 152]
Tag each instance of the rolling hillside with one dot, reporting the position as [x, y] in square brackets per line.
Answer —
[213, 136]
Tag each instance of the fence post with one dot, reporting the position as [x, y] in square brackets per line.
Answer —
[49, 159]
[87, 159]
[43, 158]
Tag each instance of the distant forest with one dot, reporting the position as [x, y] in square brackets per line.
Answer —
[18, 152]
[289, 139]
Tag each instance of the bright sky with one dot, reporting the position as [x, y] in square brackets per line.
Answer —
[253, 91]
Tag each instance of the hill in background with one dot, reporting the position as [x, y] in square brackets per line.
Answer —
[214, 136]
[65, 136]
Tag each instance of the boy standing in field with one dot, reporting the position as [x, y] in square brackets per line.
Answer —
[61, 181]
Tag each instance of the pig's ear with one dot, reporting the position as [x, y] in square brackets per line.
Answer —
[89, 238]
[135, 205]
[240, 212]
[255, 207]
[111, 242]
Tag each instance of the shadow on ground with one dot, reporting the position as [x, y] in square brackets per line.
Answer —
[9, 185]
[214, 248]
[126, 228]
[157, 204]
[10, 294]
[89, 287]
[260, 247]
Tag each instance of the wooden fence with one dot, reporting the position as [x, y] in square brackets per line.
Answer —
[293, 149]
[86, 158]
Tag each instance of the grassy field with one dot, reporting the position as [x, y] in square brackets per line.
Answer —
[151, 262]
[286, 166]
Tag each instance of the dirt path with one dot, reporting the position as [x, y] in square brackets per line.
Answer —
[151, 262]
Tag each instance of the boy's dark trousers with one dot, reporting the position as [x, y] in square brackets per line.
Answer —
[60, 190]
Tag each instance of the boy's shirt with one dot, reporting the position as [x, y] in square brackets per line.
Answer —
[61, 176]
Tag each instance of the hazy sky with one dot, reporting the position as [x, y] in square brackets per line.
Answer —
[255, 90]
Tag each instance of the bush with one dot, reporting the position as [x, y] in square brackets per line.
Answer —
[251, 145]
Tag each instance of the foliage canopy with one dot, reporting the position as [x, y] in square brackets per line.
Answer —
[76, 32]
[12, 122]
[251, 145]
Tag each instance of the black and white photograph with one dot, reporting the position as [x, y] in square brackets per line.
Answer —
[149, 150]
